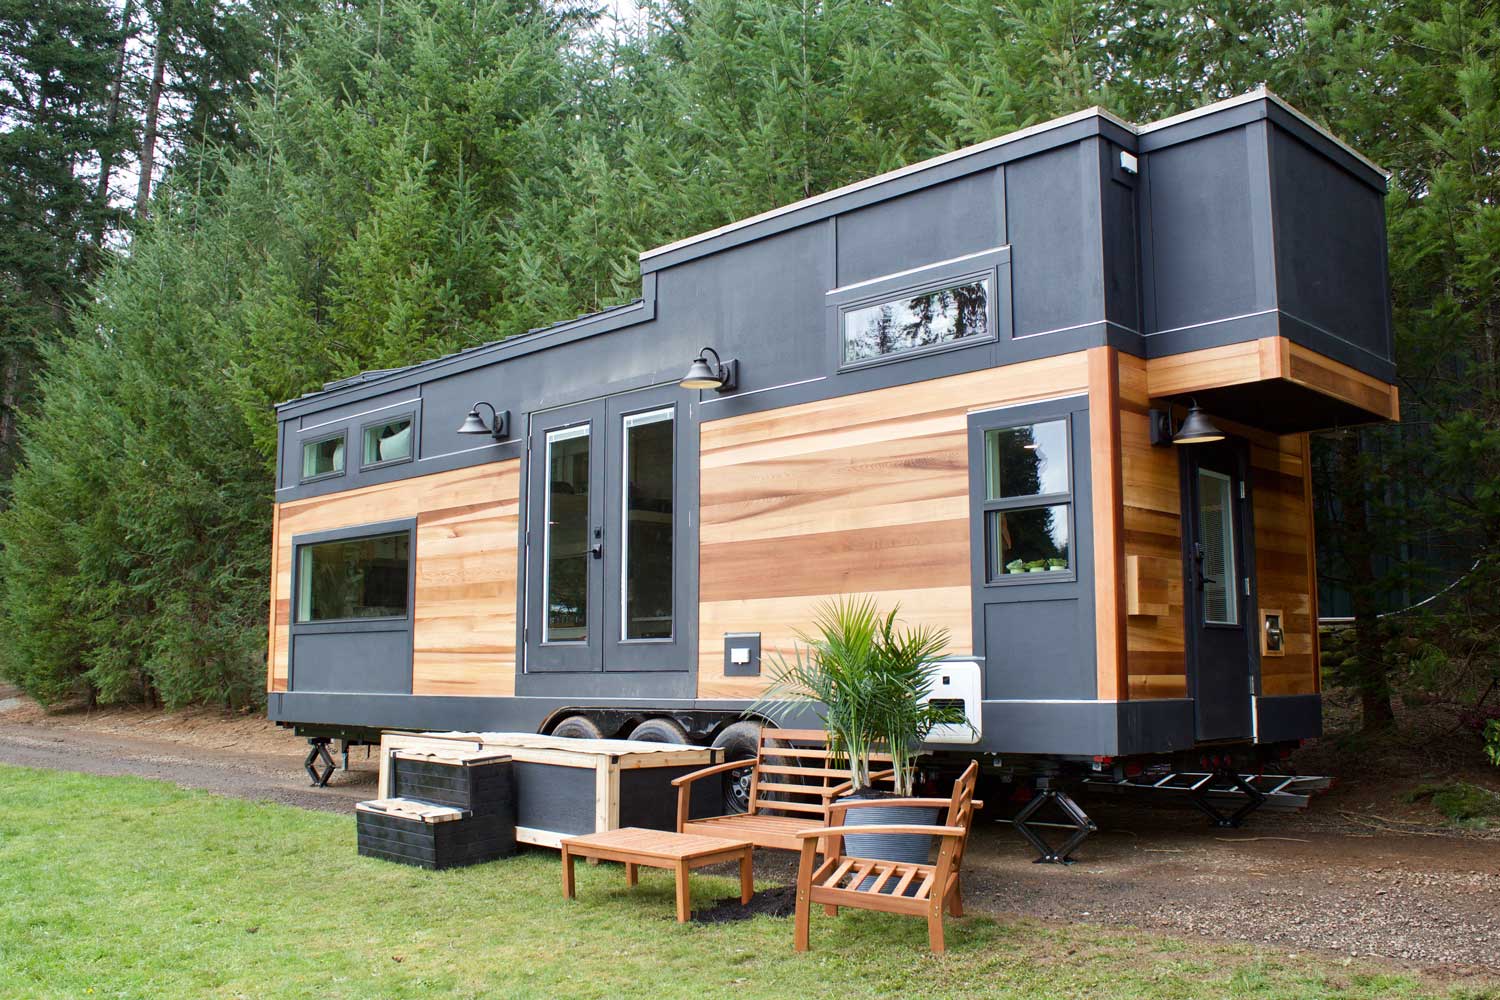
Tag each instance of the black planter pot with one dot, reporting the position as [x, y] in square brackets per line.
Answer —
[907, 847]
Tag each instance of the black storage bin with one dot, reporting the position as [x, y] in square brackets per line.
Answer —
[430, 836]
[482, 783]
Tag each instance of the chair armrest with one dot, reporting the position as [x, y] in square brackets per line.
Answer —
[866, 803]
[729, 765]
[844, 831]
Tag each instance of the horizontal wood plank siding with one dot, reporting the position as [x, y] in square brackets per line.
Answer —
[1155, 645]
[853, 495]
[468, 525]
[1284, 561]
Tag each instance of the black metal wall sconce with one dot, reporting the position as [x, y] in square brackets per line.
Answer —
[721, 376]
[1195, 428]
[498, 427]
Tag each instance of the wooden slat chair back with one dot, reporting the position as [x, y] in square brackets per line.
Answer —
[888, 886]
[793, 780]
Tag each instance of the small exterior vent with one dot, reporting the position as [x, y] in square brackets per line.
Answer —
[957, 682]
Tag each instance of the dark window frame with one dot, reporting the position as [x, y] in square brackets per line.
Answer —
[340, 434]
[986, 506]
[411, 455]
[985, 265]
[624, 510]
[385, 623]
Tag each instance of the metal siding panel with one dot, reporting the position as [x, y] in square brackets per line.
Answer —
[1203, 257]
[1052, 213]
[1330, 239]
[937, 223]
[373, 662]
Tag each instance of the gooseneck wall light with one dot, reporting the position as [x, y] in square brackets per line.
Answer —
[498, 427]
[720, 376]
[1195, 428]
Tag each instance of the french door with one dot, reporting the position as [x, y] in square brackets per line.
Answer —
[608, 535]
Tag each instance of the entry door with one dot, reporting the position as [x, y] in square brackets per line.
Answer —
[1220, 603]
[610, 571]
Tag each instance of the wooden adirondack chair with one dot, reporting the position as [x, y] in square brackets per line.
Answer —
[888, 886]
[791, 786]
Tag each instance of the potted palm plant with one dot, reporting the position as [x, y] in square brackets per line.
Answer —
[866, 678]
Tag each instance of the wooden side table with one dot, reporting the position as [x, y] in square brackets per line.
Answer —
[678, 852]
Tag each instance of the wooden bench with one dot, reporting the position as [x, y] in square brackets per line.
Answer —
[791, 787]
[888, 886]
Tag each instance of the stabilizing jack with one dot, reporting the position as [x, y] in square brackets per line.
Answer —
[1075, 820]
[318, 748]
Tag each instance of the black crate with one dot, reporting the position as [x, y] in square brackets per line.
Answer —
[484, 785]
[413, 840]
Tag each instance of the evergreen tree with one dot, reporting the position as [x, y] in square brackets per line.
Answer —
[57, 61]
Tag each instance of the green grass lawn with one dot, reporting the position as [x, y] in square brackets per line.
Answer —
[118, 887]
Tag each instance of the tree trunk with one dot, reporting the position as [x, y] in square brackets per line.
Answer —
[10, 385]
[1371, 677]
[153, 109]
[112, 120]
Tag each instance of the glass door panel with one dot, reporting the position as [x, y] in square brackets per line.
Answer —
[647, 509]
[566, 536]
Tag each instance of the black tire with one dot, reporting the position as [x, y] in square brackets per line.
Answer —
[660, 731]
[739, 741]
[578, 727]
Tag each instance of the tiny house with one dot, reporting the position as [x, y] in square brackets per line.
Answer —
[1051, 392]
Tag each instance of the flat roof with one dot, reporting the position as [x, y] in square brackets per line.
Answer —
[1260, 93]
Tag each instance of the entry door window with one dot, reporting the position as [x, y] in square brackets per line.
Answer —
[1216, 525]
[647, 526]
[567, 547]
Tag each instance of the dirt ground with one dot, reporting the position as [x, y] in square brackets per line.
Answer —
[1362, 873]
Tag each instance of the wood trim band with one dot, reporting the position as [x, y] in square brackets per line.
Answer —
[1108, 505]
[1271, 358]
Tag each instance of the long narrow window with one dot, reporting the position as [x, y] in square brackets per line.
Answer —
[354, 578]
[1027, 502]
[1216, 525]
[647, 516]
[565, 563]
[925, 320]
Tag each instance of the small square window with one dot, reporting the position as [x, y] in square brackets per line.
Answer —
[387, 442]
[323, 458]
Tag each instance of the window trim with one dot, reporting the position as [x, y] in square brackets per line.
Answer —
[670, 411]
[341, 434]
[1068, 498]
[384, 623]
[411, 454]
[984, 265]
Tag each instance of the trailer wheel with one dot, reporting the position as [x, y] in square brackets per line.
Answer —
[578, 727]
[739, 741]
[660, 731]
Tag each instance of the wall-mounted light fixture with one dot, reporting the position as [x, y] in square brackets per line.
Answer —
[1196, 428]
[721, 376]
[498, 427]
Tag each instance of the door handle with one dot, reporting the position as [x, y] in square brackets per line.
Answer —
[597, 549]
